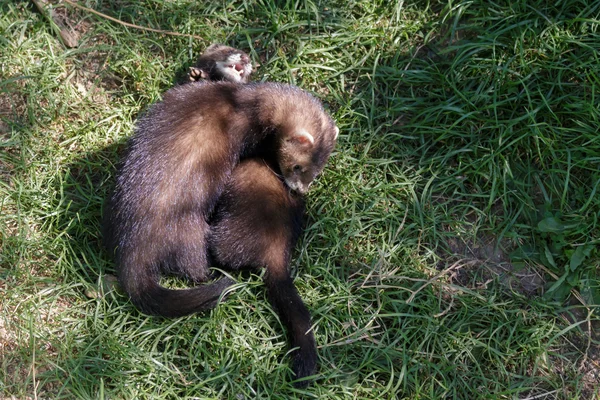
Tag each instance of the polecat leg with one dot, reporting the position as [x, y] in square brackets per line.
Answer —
[188, 258]
[296, 318]
[195, 74]
[256, 224]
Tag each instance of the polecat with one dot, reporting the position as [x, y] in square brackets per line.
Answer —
[256, 224]
[221, 63]
[257, 220]
[178, 162]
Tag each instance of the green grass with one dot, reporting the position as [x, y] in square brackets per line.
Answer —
[451, 249]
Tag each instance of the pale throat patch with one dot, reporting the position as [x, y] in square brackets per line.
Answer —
[234, 67]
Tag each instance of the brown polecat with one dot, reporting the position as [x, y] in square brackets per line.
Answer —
[256, 224]
[178, 162]
[221, 63]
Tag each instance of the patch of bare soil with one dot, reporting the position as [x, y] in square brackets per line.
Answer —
[13, 106]
[7, 341]
[590, 370]
[486, 259]
[92, 77]
[69, 29]
[580, 356]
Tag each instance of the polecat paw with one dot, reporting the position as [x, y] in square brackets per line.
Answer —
[195, 74]
[304, 364]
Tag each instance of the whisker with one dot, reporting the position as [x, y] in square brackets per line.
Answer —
[280, 176]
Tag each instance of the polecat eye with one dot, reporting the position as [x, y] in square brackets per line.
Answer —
[297, 168]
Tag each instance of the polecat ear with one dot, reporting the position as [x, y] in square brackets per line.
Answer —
[303, 137]
[337, 132]
[212, 47]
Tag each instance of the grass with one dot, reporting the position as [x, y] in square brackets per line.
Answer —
[451, 249]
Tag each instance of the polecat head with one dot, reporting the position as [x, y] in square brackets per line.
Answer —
[304, 133]
[303, 153]
[220, 62]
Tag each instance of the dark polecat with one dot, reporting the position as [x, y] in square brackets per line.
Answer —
[221, 63]
[257, 220]
[178, 162]
[256, 224]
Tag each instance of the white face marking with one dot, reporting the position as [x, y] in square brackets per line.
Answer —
[234, 58]
[297, 186]
[234, 68]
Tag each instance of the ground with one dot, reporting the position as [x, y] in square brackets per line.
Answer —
[451, 244]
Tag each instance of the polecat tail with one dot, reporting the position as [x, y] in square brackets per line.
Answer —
[296, 318]
[153, 299]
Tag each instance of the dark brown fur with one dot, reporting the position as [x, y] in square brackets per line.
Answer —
[256, 224]
[179, 163]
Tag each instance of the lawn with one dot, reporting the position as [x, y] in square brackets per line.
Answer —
[451, 247]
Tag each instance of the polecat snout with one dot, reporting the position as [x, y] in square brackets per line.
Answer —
[220, 62]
